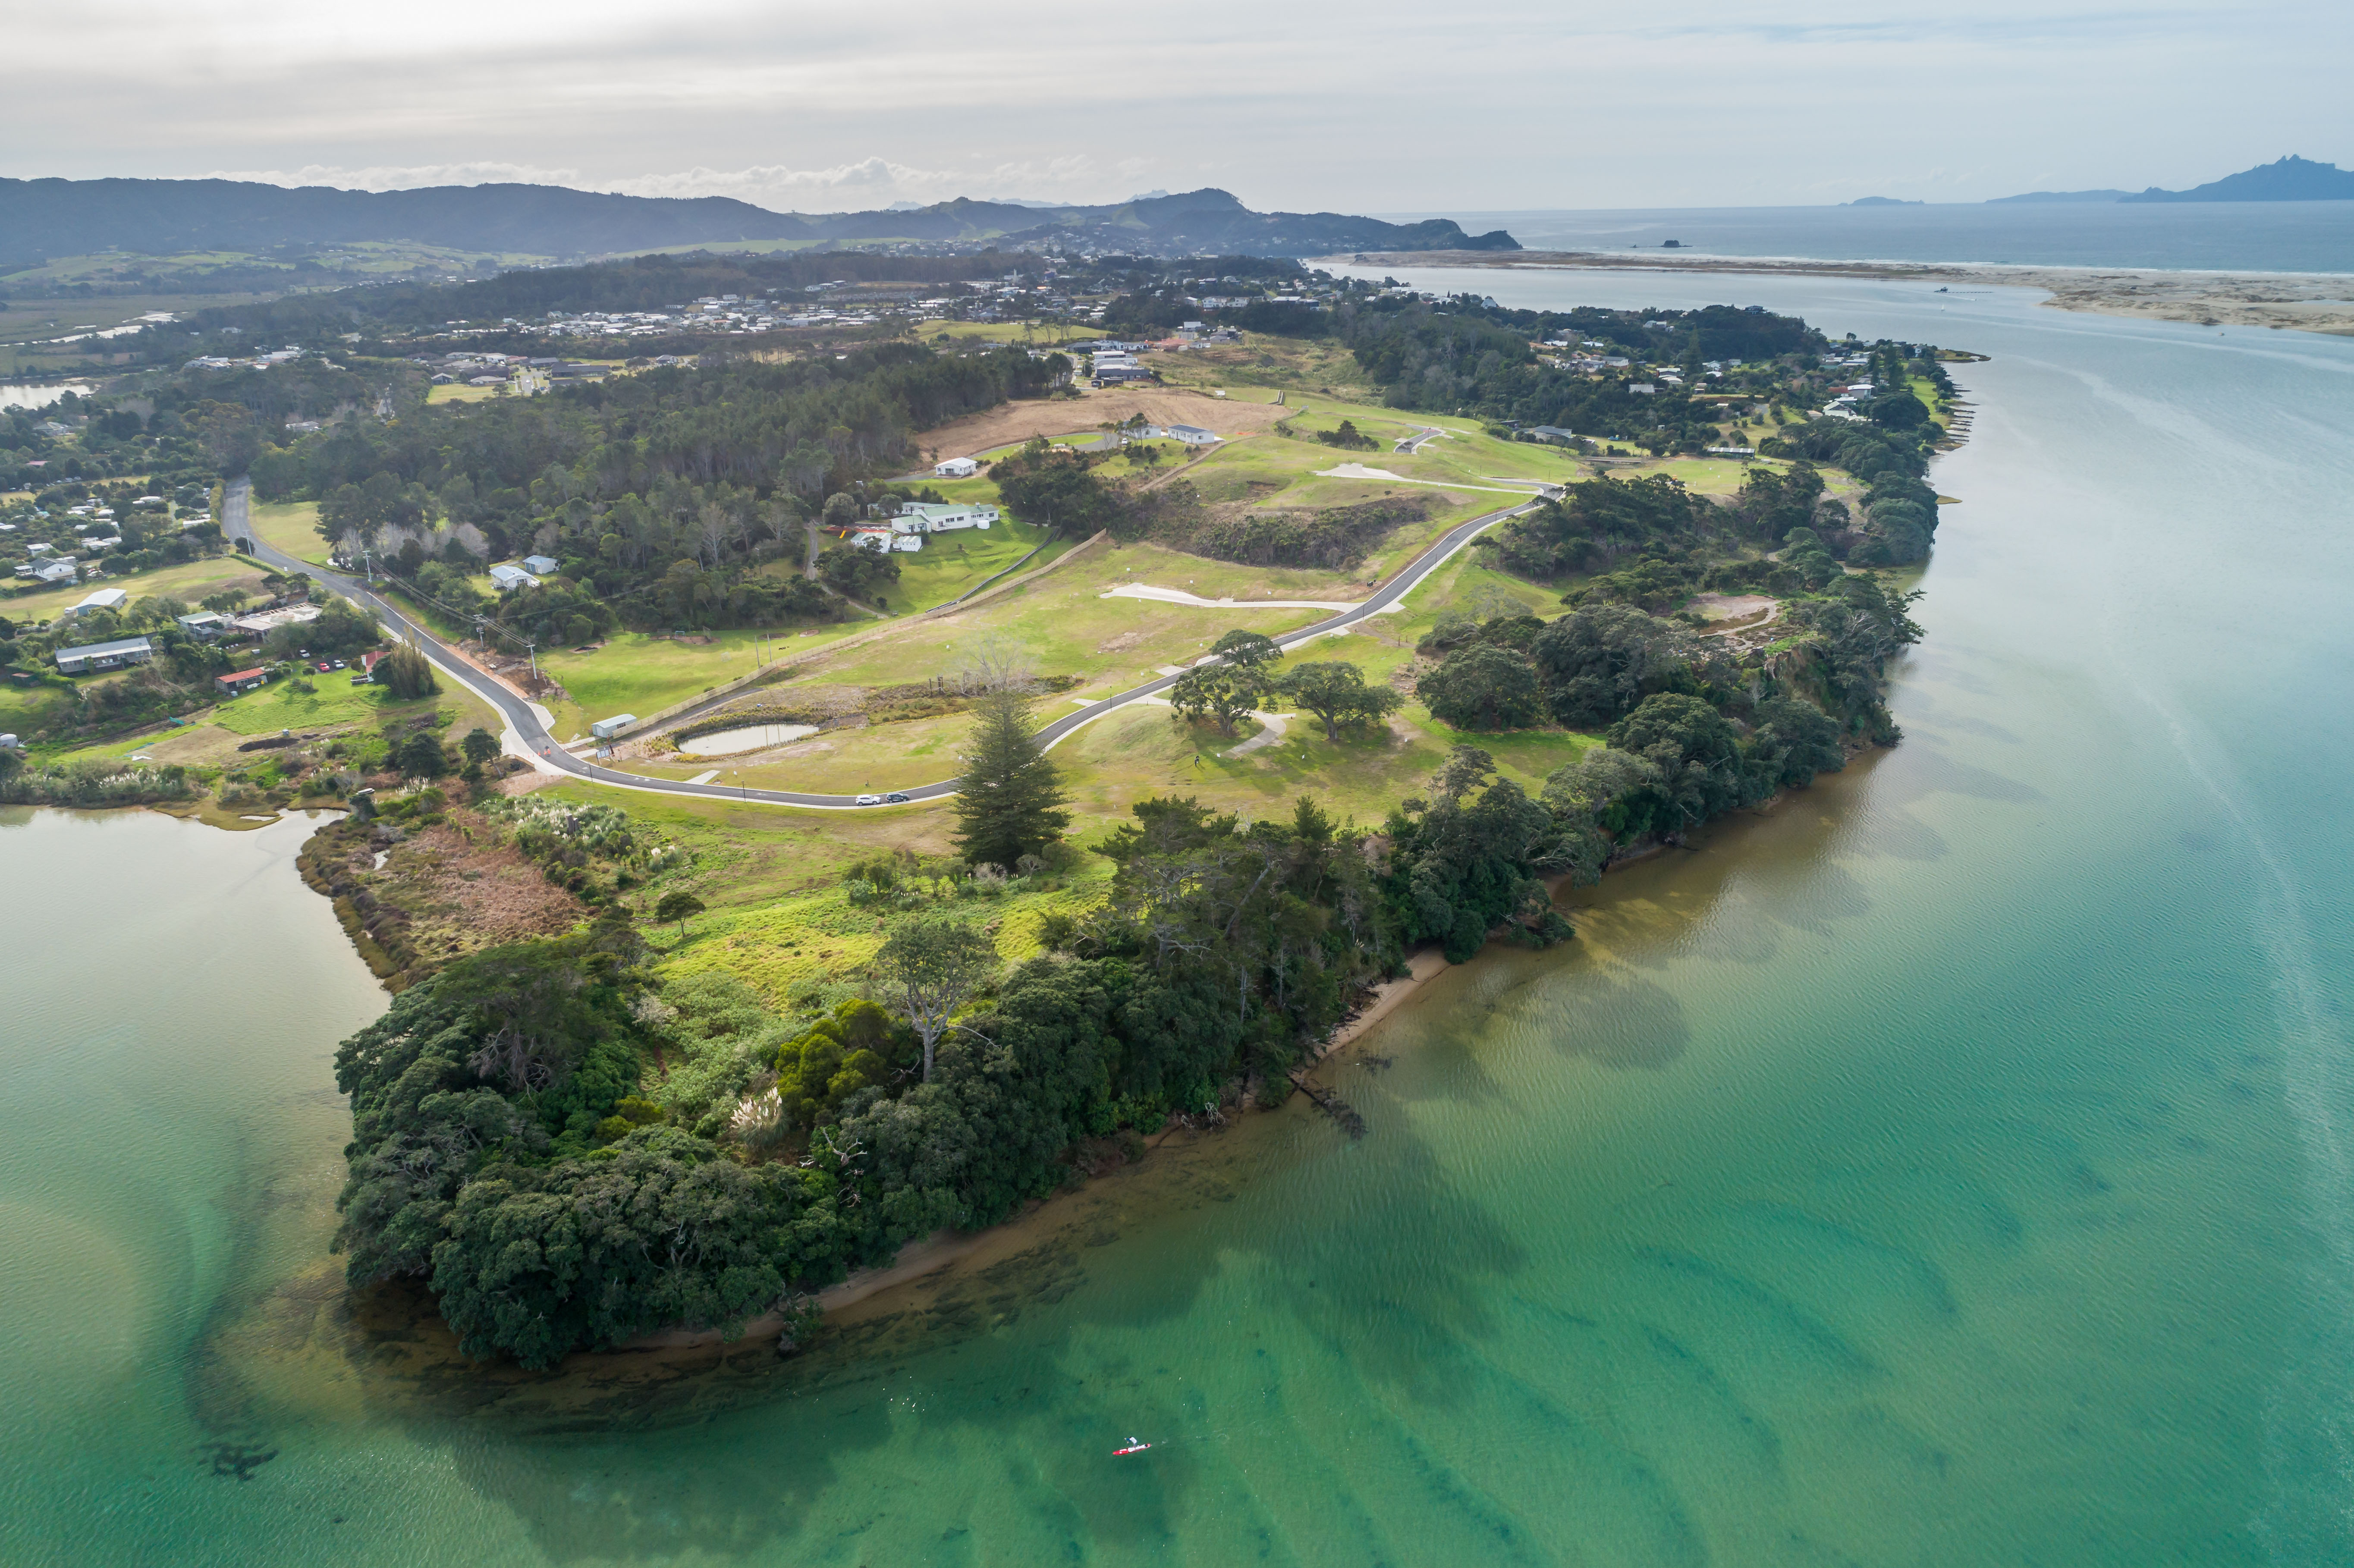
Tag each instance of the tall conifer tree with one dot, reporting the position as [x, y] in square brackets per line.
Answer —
[1007, 802]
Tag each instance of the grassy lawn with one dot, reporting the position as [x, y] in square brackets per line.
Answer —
[950, 564]
[23, 708]
[1261, 367]
[1144, 749]
[1066, 626]
[636, 673]
[453, 393]
[1044, 334]
[819, 941]
[874, 761]
[292, 526]
[278, 705]
[190, 582]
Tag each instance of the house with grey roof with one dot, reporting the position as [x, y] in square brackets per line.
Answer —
[114, 655]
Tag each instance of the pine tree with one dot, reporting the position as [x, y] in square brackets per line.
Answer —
[1006, 802]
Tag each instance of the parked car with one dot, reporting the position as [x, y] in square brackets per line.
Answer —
[341, 665]
[895, 799]
[870, 800]
[324, 667]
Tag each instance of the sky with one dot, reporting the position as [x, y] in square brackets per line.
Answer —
[1374, 106]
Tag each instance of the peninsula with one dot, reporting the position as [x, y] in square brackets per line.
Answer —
[817, 775]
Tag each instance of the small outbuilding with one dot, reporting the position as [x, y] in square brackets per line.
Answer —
[237, 683]
[606, 729]
[543, 565]
[956, 468]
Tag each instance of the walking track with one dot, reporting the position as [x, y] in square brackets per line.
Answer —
[527, 733]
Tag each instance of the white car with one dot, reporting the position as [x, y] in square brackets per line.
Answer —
[870, 800]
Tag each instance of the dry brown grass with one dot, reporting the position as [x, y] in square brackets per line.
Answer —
[1011, 423]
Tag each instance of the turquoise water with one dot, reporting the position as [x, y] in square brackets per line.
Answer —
[1951, 1166]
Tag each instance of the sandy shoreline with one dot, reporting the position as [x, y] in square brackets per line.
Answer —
[2303, 302]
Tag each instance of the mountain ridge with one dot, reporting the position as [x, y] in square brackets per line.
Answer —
[42, 217]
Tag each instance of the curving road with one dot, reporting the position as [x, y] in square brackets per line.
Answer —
[527, 734]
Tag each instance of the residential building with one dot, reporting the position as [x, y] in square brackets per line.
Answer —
[1550, 433]
[543, 565]
[262, 623]
[510, 576]
[206, 624]
[956, 468]
[883, 540]
[1192, 435]
[105, 655]
[237, 683]
[940, 517]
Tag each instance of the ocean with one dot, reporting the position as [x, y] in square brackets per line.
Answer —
[2251, 236]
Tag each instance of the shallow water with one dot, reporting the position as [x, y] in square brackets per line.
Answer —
[1948, 1167]
[27, 395]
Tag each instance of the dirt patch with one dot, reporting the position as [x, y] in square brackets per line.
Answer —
[443, 891]
[1728, 607]
[1121, 643]
[1019, 422]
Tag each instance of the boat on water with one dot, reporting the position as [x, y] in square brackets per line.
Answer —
[1133, 1447]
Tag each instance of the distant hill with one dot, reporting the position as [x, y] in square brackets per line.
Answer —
[2060, 196]
[1882, 201]
[2291, 179]
[50, 217]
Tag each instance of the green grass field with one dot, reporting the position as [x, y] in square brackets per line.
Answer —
[278, 705]
[292, 526]
[641, 674]
[951, 563]
[189, 583]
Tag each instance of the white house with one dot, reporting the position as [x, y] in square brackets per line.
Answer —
[940, 517]
[543, 565]
[510, 576]
[956, 468]
[1192, 435]
[105, 655]
[57, 571]
[101, 598]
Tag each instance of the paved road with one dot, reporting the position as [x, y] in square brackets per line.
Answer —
[528, 735]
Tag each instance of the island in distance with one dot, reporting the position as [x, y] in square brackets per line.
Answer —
[2289, 179]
